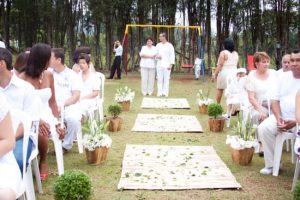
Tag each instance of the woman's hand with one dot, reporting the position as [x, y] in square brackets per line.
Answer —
[44, 128]
[262, 116]
[213, 78]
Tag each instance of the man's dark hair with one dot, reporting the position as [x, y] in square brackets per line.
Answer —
[59, 53]
[296, 51]
[7, 57]
[228, 44]
[85, 57]
[38, 60]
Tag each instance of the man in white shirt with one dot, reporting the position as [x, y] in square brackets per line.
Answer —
[285, 64]
[21, 96]
[165, 60]
[283, 107]
[67, 92]
[118, 49]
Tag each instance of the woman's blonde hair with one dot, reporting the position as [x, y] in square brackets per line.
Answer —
[259, 56]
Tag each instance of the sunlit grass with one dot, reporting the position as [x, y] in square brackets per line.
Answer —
[105, 177]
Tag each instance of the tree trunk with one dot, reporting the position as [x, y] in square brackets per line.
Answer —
[208, 33]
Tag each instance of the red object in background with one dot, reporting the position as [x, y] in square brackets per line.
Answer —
[250, 62]
[186, 66]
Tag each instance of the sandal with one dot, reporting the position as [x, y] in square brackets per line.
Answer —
[44, 176]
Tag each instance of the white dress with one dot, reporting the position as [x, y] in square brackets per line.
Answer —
[91, 84]
[229, 69]
[10, 175]
[46, 112]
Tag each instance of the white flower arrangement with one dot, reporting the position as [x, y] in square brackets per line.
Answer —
[124, 94]
[203, 98]
[94, 135]
[245, 135]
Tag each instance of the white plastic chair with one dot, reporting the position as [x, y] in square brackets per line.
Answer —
[297, 166]
[100, 98]
[58, 152]
[280, 138]
[28, 190]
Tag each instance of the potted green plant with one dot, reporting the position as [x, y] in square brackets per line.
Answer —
[73, 185]
[124, 96]
[95, 142]
[296, 191]
[203, 101]
[243, 142]
[215, 121]
[115, 122]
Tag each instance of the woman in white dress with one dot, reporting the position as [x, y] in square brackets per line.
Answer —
[147, 65]
[226, 66]
[90, 85]
[10, 181]
[36, 73]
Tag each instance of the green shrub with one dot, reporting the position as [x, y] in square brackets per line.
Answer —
[73, 185]
[296, 191]
[114, 110]
[214, 110]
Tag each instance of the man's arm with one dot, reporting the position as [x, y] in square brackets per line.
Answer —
[298, 107]
[73, 99]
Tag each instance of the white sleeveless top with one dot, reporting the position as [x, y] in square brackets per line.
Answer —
[232, 60]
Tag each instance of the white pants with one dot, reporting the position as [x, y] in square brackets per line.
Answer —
[163, 79]
[197, 71]
[72, 117]
[148, 78]
[267, 132]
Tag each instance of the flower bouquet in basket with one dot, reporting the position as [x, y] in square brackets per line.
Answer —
[242, 144]
[124, 96]
[95, 141]
[203, 101]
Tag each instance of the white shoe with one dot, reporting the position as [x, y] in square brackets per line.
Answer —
[266, 170]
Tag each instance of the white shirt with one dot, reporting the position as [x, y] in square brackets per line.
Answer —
[198, 61]
[21, 95]
[167, 53]
[119, 51]
[285, 91]
[91, 84]
[232, 60]
[65, 83]
[148, 62]
[2, 45]
[261, 88]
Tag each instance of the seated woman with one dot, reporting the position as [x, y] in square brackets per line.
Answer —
[258, 86]
[78, 51]
[90, 85]
[10, 181]
[42, 80]
[235, 92]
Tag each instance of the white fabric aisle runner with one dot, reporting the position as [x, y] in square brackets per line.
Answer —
[159, 167]
[166, 123]
[176, 103]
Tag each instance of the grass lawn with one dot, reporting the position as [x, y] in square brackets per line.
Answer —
[106, 177]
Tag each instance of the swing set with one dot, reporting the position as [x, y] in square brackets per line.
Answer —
[168, 27]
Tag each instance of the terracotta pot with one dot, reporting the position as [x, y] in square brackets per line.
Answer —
[202, 109]
[96, 157]
[114, 124]
[216, 124]
[125, 105]
[243, 156]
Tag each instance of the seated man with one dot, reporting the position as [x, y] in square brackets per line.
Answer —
[285, 64]
[67, 90]
[21, 96]
[283, 107]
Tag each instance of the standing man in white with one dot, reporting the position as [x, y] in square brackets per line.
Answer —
[147, 65]
[165, 60]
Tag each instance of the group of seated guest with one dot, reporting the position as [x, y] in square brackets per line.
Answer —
[42, 87]
[272, 100]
